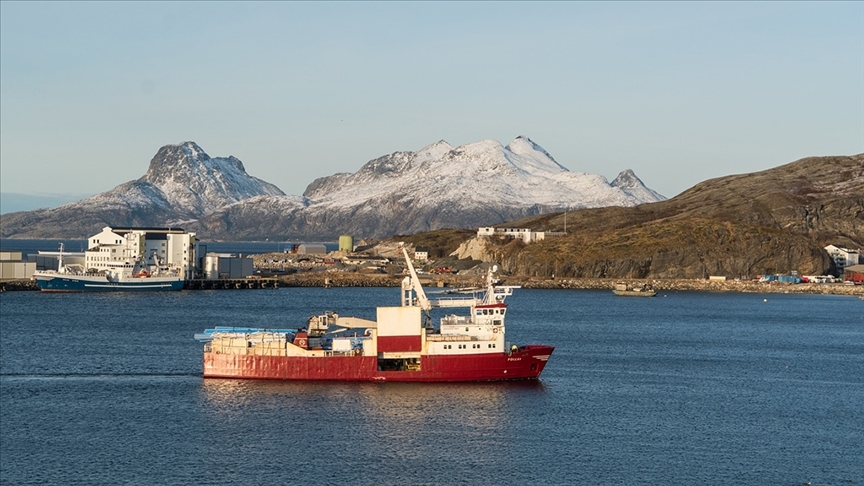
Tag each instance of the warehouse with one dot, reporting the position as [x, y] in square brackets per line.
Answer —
[855, 273]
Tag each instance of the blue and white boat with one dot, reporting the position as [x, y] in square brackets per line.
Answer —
[120, 276]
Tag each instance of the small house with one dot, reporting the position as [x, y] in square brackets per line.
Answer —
[421, 254]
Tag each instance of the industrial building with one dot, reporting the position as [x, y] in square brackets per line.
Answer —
[854, 273]
[13, 267]
[523, 234]
[225, 265]
[172, 247]
[346, 243]
[311, 249]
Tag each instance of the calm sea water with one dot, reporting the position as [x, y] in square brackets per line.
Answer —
[685, 388]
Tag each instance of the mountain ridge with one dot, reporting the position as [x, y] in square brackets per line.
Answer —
[168, 193]
[439, 186]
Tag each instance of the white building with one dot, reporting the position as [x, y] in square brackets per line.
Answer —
[421, 254]
[843, 257]
[524, 234]
[171, 247]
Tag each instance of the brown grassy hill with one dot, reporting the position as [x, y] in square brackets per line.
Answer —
[774, 221]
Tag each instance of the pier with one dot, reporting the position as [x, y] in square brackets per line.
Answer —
[232, 283]
[196, 284]
[309, 279]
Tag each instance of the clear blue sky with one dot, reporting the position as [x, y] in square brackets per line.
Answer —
[679, 92]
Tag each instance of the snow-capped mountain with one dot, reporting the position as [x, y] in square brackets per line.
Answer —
[477, 184]
[182, 179]
[440, 186]
[482, 173]
[196, 183]
[182, 184]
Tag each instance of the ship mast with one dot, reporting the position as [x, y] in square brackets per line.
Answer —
[60, 267]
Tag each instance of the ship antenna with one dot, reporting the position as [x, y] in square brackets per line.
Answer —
[490, 285]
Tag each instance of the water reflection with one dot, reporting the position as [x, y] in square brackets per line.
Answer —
[400, 405]
[375, 424]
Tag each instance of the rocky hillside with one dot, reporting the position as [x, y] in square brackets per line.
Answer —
[774, 221]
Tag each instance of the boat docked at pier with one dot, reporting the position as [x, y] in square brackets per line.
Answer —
[121, 275]
[627, 290]
[401, 345]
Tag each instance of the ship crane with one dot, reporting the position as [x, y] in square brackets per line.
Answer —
[410, 284]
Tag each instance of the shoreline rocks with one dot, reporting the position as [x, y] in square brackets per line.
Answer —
[661, 285]
[336, 279]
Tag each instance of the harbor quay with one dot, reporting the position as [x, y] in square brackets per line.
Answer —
[195, 284]
[347, 279]
[232, 283]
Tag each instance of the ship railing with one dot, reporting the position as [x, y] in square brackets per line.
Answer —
[450, 337]
[456, 320]
[455, 302]
[353, 352]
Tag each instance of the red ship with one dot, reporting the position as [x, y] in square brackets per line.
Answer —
[401, 345]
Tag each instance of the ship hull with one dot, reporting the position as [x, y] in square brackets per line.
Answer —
[84, 283]
[526, 363]
[635, 293]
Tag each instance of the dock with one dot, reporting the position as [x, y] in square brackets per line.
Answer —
[232, 283]
[196, 284]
